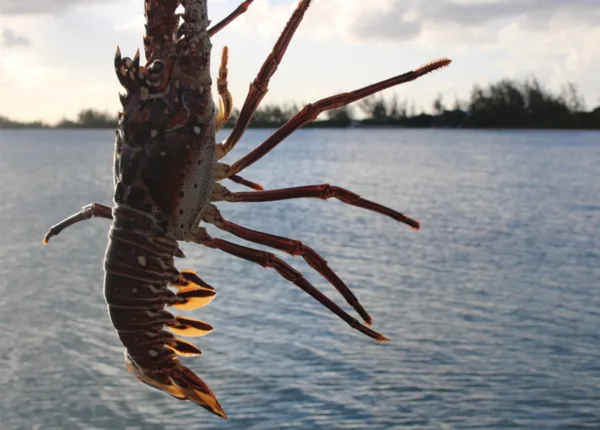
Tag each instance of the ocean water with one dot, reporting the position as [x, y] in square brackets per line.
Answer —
[493, 307]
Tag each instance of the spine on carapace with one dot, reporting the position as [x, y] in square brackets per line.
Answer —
[193, 37]
[161, 21]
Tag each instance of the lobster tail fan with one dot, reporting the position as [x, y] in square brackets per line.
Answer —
[179, 382]
[193, 298]
[190, 276]
[183, 348]
[189, 327]
[197, 391]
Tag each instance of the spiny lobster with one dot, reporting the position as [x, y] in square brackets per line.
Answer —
[166, 171]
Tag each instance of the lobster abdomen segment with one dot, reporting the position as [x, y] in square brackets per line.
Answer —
[138, 272]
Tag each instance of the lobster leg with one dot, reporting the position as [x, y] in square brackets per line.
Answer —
[225, 99]
[241, 9]
[311, 111]
[87, 212]
[324, 191]
[267, 259]
[293, 247]
[245, 182]
[259, 87]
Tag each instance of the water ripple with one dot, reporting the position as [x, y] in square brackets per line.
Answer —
[492, 307]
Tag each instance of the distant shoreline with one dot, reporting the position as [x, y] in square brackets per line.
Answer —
[328, 127]
[505, 105]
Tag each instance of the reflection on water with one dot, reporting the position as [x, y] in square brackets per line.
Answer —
[493, 307]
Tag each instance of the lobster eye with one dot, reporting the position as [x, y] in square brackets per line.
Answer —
[156, 67]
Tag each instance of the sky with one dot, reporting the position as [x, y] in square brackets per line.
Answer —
[56, 56]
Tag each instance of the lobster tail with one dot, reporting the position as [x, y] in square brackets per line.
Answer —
[178, 381]
[139, 271]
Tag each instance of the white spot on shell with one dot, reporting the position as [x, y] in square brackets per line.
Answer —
[141, 260]
[152, 352]
[163, 153]
[155, 290]
[197, 130]
[153, 133]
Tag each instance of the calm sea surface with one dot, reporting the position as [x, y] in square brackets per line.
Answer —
[493, 307]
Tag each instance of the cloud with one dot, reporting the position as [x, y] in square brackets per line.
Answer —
[554, 40]
[10, 39]
[134, 24]
[42, 7]
[457, 22]
[406, 19]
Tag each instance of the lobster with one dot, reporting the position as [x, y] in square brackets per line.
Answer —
[166, 181]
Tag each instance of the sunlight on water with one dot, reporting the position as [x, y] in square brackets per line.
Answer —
[493, 307]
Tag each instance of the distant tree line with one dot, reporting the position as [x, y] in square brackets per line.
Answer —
[90, 118]
[87, 118]
[505, 104]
